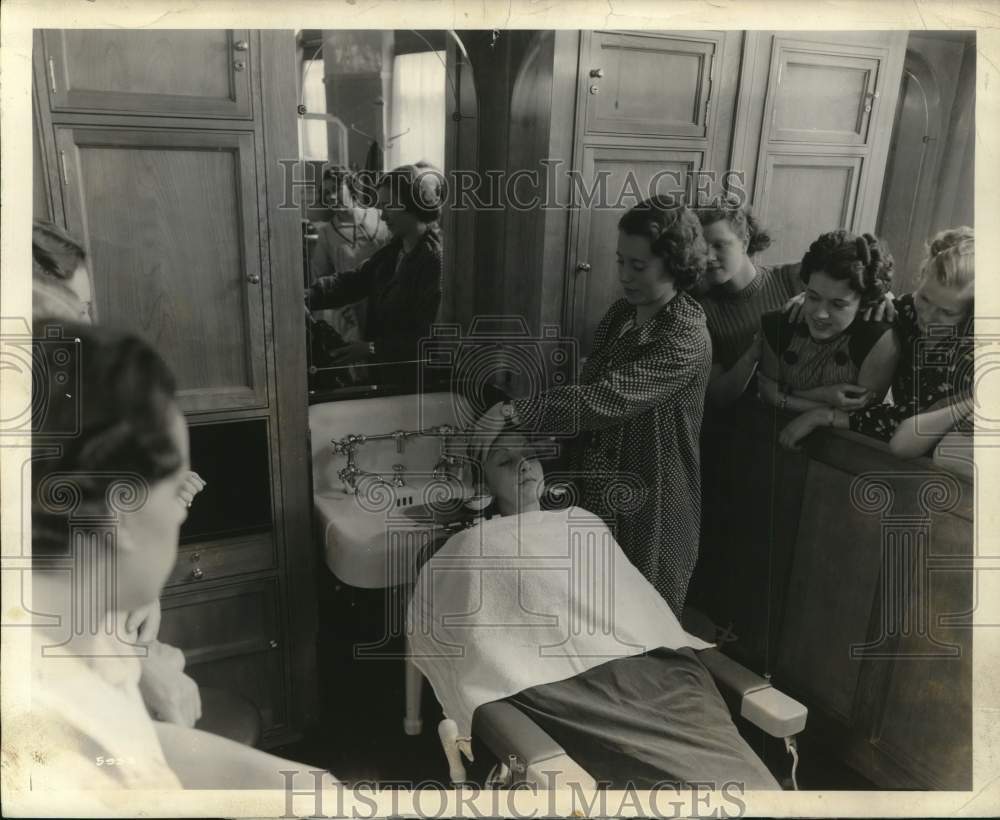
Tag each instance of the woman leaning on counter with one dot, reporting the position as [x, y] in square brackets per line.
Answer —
[639, 401]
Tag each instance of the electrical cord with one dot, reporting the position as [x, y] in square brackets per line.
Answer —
[793, 750]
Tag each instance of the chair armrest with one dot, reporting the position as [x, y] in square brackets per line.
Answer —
[760, 703]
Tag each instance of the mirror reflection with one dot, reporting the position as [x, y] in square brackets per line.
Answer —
[374, 110]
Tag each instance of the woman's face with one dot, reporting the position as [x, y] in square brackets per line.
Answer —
[513, 475]
[398, 220]
[830, 306]
[148, 537]
[336, 194]
[727, 252]
[641, 272]
[939, 305]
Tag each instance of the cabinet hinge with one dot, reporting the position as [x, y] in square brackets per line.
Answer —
[52, 75]
[62, 165]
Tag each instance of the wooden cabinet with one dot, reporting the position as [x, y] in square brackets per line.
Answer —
[813, 131]
[190, 73]
[161, 154]
[170, 220]
[648, 83]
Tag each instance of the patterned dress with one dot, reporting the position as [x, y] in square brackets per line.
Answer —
[930, 370]
[805, 363]
[638, 410]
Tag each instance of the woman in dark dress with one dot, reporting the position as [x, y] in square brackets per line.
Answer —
[638, 404]
[401, 281]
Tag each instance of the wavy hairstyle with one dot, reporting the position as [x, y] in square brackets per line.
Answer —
[674, 234]
[418, 188]
[741, 219]
[951, 258]
[864, 262]
[115, 425]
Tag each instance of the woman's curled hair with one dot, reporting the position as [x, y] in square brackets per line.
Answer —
[951, 258]
[674, 234]
[863, 261]
[101, 422]
[740, 218]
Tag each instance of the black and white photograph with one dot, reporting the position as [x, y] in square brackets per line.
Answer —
[553, 411]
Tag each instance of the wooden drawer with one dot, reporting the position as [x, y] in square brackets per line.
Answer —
[231, 638]
[222, 558]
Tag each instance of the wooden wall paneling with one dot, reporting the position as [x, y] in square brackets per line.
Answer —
[290, 408]
[197, 72]
[47, 184]
[137, 265]
[956, 184]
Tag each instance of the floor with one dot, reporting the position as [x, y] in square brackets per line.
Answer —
[360, 737]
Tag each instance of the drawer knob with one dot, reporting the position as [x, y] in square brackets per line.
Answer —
[239, 65]
[594, 89]
[583, 267]
[272, 643]
[197, 573]
[253, 278]
[195, 557]
[597, 73]
[241, 45]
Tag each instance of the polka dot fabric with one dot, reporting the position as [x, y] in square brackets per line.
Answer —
[638, 408]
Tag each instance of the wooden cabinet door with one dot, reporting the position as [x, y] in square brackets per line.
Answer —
[615, 179]
[231, 639]
[197, 72]
[170, 219]
[651, 83]
[824, 135]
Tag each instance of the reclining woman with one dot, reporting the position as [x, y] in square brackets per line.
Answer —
[125, 467]
[832, 357]
[542, 608]
[932, 388]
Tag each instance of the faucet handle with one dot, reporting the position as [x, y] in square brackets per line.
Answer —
[397, 474]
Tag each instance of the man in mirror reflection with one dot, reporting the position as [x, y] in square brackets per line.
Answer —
[400, 281]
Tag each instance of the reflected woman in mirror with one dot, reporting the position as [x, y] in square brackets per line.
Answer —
[639, 401]
[832, 357]
[353, 234]
[401, 281]
[932, 399]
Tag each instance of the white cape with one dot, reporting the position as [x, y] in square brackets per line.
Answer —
[525, 600]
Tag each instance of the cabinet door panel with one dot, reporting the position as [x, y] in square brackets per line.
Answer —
[170, 221]
[198, 72]
[649, 84]
[821, 95]
[618, 179]
[821, 192]
[231, 640]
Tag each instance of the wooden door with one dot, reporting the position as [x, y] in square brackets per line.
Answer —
[824, 137]
[652, 83]
[231, 639]
[170, 219]
[614, 180]
[197, 72]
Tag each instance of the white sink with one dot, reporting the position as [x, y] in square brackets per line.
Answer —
[372, 539]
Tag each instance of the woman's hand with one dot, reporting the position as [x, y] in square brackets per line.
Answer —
[193, 484]
[793, 308]
[843, 396]
[801, 426]
[351, 353]
[485, 431]
[884, 311]
[144, 622]
[168, 693]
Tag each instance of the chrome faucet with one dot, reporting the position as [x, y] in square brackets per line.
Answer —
[349, 474]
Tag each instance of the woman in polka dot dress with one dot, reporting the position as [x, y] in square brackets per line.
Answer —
[831, 357]
[638, 404]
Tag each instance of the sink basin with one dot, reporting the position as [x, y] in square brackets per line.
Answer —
[372, 539]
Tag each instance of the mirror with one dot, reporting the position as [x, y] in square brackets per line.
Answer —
[375, 243]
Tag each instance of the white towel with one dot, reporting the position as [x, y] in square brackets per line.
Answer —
[524, 600]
